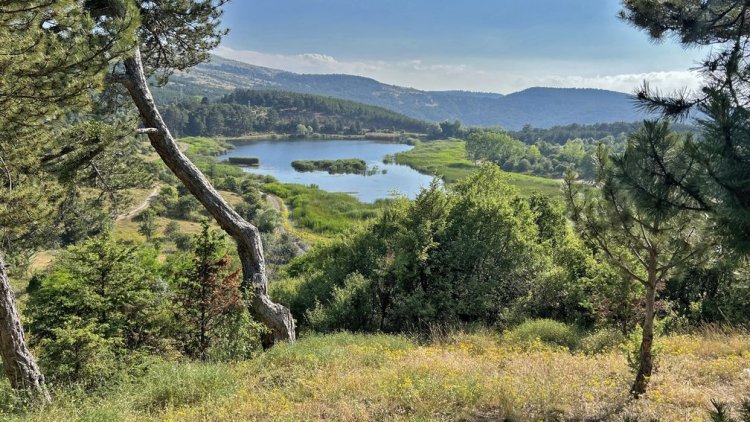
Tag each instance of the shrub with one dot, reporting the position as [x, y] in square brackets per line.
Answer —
[545, 330]
[602, 341]
[351, 307]
[99, 303]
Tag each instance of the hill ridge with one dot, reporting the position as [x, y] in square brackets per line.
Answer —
[540, 107]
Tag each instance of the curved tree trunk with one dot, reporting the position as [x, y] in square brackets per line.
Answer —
[255, 282]
[19, 364]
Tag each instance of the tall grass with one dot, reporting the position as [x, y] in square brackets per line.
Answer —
[460, 376]
[323, 212]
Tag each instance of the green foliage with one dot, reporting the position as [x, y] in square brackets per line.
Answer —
[341, 166]
[247, 111]
[350, 306]
[616, 131]
[147, 225]
[176, 203]
[602, 341]
[98, 303]
[431, 261]
[545, 330]
[44, 76]
[540, 158]
[713, 175]
[267, 220]
[448, 160]
[245, 161]
[323, 212]
[208, 305]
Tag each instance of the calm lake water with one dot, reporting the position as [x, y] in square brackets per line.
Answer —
[276, 157]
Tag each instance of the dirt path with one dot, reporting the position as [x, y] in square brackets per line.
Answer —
[140, 207]
[278, 204]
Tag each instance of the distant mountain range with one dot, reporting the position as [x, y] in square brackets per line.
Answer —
[538, 107]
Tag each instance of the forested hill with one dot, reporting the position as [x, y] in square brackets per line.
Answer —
[538, 107]
[597, 131]
[244, 111]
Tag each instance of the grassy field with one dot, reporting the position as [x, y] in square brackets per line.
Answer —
[321, 212]
[447, 159]
[480, 376]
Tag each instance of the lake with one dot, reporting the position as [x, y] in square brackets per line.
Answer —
[276, 157]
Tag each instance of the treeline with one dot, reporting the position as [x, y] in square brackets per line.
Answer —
[561, 134]
[247, 111]
[541, 158]
[479, 252]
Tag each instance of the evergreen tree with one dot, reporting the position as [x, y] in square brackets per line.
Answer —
[644, 240]
[47, 67]
[718, 180]
[99, 303]
[175, 35]
[147, 226]
[206, 293]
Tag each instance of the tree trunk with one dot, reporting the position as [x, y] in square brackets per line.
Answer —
[255, 282]
[645, 356]
[20, 367]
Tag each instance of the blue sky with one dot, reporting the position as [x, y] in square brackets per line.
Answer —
[479, 45]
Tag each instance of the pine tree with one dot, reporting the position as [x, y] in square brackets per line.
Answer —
[175, 35]
[47, 67]
[644, 236]
[206, 292]
[719, 180]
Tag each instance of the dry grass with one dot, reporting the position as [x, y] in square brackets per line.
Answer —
[472, 377]
[462, 377]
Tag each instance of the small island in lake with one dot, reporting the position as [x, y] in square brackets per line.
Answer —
[245, 161]
[342, 166]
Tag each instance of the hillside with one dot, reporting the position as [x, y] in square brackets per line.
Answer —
[245, 111]
[538, 107]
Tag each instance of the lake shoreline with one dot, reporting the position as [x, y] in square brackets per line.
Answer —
[388, 181]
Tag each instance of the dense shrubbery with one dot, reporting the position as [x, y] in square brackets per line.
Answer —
[541, 158]
[106, 308]
[474, 253]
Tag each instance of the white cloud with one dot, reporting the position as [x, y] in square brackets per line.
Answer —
[667, 81]
[500, 76]
[299, 63]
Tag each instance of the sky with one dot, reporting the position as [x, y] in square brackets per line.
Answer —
[476, 45]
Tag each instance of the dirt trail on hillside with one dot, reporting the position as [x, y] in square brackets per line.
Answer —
[140, 207]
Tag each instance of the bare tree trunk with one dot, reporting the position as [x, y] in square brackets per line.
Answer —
[255, 282]
[19, 364]
[645, 356]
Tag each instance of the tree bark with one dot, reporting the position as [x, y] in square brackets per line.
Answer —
[19, 364]
[255, 281]
[645, 356]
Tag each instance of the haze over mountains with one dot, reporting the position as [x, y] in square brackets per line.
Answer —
[538, 107]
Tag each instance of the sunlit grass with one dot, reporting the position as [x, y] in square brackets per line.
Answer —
[448, 160]
[458, 376]
[322, 212]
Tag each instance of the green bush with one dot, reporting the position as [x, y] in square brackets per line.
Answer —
[602, 341]
[350, 308]
[545, 330]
